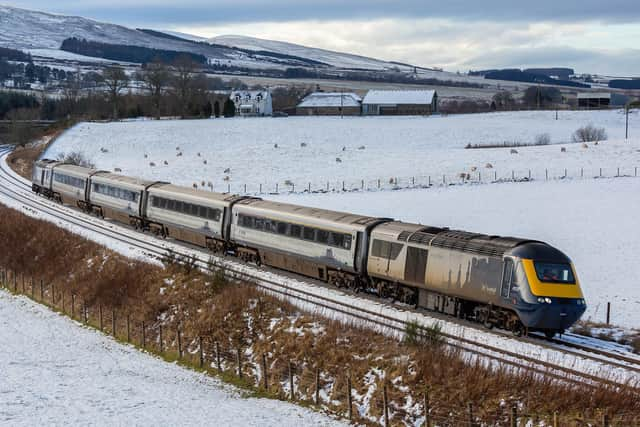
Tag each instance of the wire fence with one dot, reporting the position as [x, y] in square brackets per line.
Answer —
[487, 175]
[333, 390]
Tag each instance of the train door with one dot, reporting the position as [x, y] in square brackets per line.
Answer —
[507, 272]
[415, 265]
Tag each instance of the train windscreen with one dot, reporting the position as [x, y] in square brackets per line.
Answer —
[555, 273]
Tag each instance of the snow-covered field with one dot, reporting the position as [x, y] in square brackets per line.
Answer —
[58, 373]
[595, 222]
[390, 147]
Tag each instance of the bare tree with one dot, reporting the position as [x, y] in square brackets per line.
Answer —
[156, 78]
[503, 100]
[184, 68]
[116, 81]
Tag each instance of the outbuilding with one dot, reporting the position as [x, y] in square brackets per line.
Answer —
[594, 100]
[330, 104]
[400, 102]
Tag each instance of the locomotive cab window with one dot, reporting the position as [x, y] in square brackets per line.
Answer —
[384, 249]
[554, 273]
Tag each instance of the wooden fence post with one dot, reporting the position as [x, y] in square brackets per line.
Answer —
[555, 419]
[514, 416]
[63, 302]
[41, 290]
[113, 321]
[292, 391]
[85, 311]
[161, 343]
[317, 386]
[201, 350]
[32, 292]
[128, 327]
[385, 405]
[239, 362]
[100, 312]
[470, 413]
[608, 312]
[546, 174]
[144, 337]
[179, 343]
[15, 282]
[73, 306]
[605, 420]
[218, 364]
[349, 398]
[265, 376]
[427, 410]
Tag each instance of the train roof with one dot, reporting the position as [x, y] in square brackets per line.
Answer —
[192, 192]
[361, 221]
[464, 241]
[115, 178]
[75, 169]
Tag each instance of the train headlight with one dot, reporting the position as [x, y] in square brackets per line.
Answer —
[544, 300]
[581, 302]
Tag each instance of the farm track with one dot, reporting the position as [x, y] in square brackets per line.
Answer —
[388, 318]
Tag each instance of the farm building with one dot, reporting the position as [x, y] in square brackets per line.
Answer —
[252, 103]
[400, 102]
[594, 100]
[330, 104]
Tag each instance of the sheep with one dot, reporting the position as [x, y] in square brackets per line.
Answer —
[514, 151]
[204, 161]
[227, 170]
[303, 144]
[103, 150]
[179, 154]
[275, 145]
[117, 170]
[166, 163]
[202, 183]
[464, 176]
[226, 178]
[195, 185]
[145, 156]
[563, 150]
[488, 166]
[152, 164]
[584, 145]
[344, 148]
[177, 148]
[198, 154]
[473, 168]
[338, 160]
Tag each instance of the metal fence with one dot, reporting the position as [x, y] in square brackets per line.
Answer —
[287, 379]
[483, 176]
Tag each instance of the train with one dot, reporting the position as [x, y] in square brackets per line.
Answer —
[517, 284]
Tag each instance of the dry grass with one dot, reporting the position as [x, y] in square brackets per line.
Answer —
[239, 316]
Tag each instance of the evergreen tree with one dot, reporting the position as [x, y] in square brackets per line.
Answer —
[229, 108]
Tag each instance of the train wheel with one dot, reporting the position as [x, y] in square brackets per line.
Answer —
[549, 334]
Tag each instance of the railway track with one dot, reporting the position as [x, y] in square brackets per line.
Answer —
[590, 366]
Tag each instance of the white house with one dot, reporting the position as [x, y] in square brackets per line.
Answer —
[252, 103]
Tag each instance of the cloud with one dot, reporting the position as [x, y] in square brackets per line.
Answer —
[225, 11]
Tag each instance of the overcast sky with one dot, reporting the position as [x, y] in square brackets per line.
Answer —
[589, 35]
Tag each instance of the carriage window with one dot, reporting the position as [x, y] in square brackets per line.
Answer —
[337, 239]
[384, 249]
[163, 203]
[347, 242]
[282, 227]
[295, 231]
[322, 236]
[269, 225]
[308, 233]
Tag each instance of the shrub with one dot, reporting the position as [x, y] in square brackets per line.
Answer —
[76, 158]
[542, 139]
[589, 133]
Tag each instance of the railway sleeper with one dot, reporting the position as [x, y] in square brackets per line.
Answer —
[216, 246]
[249, 255]
[343, 279]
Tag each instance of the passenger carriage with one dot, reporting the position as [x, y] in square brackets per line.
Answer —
[118, 197]
[319, 243]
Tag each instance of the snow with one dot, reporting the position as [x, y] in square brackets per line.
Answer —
[392, 147]
[585, 218]
[56, 372]
[331, 99]
[413, 97]
[594, 222]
